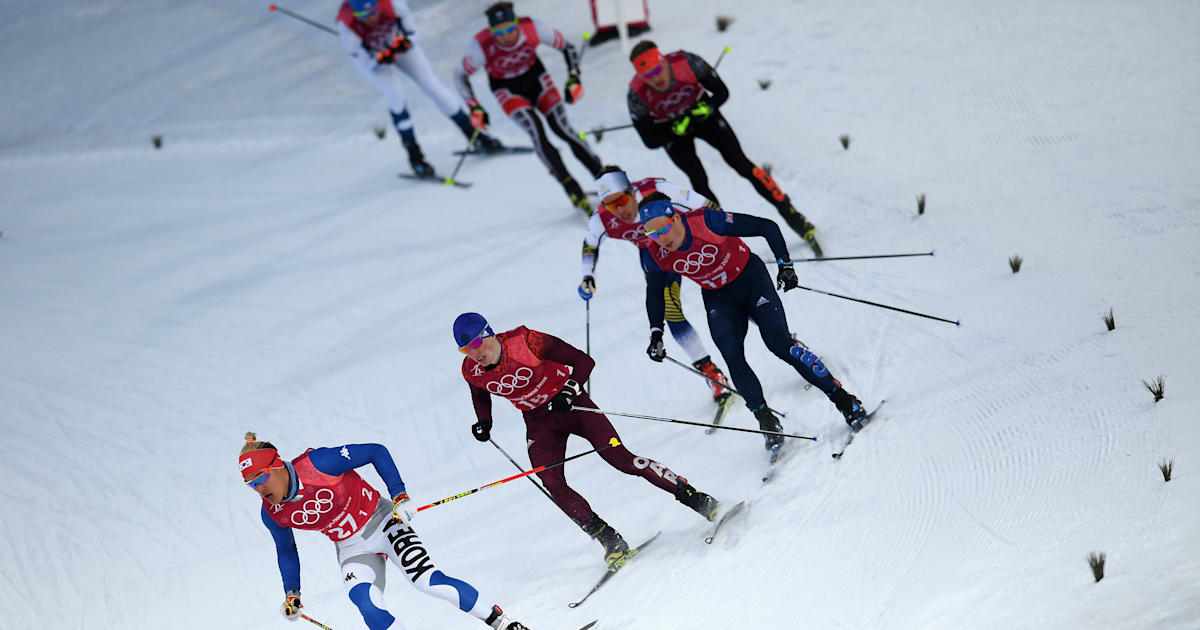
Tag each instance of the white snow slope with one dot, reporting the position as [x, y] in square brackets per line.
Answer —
[267, 271]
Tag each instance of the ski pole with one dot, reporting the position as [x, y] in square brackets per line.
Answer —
[514, 463]
[716, 382]
[723, 51]
[800, 260]
[314, 622]
[275, 7]
[890, 308]
[697, 424]
[470, 146]
[588, 336]
[611, 443]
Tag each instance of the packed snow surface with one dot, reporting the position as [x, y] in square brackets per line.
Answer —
[266, 270]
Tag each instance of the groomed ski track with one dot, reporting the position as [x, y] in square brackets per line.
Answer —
[267, 271]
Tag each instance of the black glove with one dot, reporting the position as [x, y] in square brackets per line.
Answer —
[656, 350]
[482, 430]
[562, 401]
[786, 278]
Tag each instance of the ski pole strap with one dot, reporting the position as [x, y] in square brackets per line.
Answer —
[890, 308]
[314, 622]
[696, 424]
[782, 414]
[275, 7]
[611, 443]
[929, 253]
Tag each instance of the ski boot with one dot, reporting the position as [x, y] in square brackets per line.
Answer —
[488, 144]
[709, 369]
[801, 225]
[578, 198]
[500, 621]
[615, 546]
[416, 159]
[768, 422]
[703, 504]
[851, 408]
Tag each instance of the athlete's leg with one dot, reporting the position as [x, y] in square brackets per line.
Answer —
[717, 132]
[768, 313]
[681, 329]
[405, 549]
[548, 444]
[556, 117]
[683, 153]
[727, 323]
[416, 65]
[597, 430]
[363, 577]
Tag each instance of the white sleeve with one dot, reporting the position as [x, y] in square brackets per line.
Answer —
[591, 244]
[472, 60]
[354, 47]
[548, 34]
[407, 22]
[681, 196]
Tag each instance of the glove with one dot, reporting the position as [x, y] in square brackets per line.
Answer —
[656, 350]
[587, 288]
[701, 109]
[786, 278]
[400, 511]
[561, 402]
[479, 116]
[401, 44]
[387, 55]
[679, 126]
[482, 430]
[291, 606]
[574, 88]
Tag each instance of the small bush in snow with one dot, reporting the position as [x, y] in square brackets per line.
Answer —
[380, 132]
[1109, 320]
[723, 22]
[920, 197]
[764, 83]
[1155, 387]
[156, 140]
[1166, 466]
[1015, 263]
[846, 145]
[1096, 561]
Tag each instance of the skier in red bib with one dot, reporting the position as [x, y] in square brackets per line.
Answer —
[507, 49]
[676, 98]
[382, 40]
[705, 245]
[320, 491]
[617, 218]
[543, 377]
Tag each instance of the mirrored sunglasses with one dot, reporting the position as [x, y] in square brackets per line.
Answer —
[259, 480]
[473, 344]
[653, 72]
[504, 30]
[660, 231]
[619, 201]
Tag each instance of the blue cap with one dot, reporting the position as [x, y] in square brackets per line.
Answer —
[364, 8]
[655, 209]
[468, 326]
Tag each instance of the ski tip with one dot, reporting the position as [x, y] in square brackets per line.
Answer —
[572, 604]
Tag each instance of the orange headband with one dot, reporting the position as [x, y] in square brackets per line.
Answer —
[647, 60]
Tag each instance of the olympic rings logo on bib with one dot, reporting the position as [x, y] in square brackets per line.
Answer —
[685, 94]
[519, 58]
[696, 261]
[313, 508]
[510, 383]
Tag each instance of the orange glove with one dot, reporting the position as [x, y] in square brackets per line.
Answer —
[479, 116]
[574, 89]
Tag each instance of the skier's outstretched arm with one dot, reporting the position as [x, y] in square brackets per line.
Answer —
[337, 460]
[738, 224]
[285, 552]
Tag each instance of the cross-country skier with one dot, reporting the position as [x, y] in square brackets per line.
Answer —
[381, 38]
[507, 49]
[704, 245]
[676, 98]
[543, 377]
[320, 491]
[617, 218]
